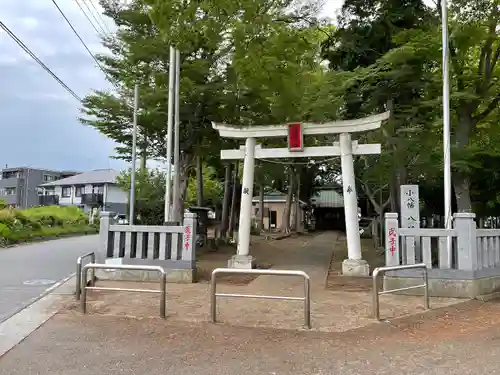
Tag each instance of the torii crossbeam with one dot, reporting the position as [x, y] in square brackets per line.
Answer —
[346, 148]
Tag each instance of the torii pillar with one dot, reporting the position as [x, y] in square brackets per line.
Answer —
[346, 148]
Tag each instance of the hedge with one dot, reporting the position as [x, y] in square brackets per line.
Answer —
[42, 223]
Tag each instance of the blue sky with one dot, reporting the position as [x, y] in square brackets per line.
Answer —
[38, 123]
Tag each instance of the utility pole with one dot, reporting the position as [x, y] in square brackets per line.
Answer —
[134, 153]
[177, 216]
[446, 123]
[171, 93]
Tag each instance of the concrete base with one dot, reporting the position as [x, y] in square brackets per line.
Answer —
[246, 262]
[472, 288]
[355, 267]
[184, 276]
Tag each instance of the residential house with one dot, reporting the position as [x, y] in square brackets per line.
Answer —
[274, 206]
[18, 186]
[89, 190]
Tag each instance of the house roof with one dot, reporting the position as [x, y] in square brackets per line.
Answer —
[273, 196]
[327, 198]
[98, 176]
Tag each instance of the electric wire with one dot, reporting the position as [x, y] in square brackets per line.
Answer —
[94, 17]
[99, 15]
[79, 37]
[116, 86]
[87, 17]
[20, 43]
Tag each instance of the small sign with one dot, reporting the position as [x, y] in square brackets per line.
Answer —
[187, 237]
[391, 242]
[295, 137]
[410, 206]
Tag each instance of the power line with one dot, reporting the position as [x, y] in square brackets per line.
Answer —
[87, 17]
[79, 37]
[34, 57]
[99, 15]
[93, 16]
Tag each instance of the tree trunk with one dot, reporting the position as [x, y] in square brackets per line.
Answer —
[297, 204]
[225, 204]
[144, 155]
[260, 224]
[285, 219]
[199, 181]
[461, 182]
[184, 164]
[232, 217]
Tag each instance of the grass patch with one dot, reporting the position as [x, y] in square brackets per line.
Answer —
[41, 223]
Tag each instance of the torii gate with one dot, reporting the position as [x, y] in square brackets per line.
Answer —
[354, 265]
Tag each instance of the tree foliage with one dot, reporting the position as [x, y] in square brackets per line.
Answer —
[258, 62]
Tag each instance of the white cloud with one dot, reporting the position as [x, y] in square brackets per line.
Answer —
[28, 23]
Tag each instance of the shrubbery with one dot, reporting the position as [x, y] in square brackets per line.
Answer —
[41, 222]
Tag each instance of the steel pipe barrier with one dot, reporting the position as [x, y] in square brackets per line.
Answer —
[78, 275]
[306, 298]
[383, 270]
[160, 270]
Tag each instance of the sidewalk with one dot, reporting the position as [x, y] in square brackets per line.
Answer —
[457, 340]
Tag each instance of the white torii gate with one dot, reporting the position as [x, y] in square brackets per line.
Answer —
[354, 265]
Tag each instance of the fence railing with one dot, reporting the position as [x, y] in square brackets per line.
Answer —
[488, 247]
[78, 275]
[306, 298]
[160, 270]
[471, 248]
[150, 244]
[382, 270]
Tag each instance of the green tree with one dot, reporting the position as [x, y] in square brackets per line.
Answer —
[212, 189]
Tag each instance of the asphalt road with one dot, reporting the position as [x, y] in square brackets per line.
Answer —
[26, 271]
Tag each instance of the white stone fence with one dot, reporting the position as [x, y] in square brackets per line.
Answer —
[172, 247]
[468, 268]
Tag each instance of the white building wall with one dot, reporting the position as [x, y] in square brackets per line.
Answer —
[116, 195]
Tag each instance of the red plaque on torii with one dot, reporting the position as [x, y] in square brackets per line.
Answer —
[295, 137]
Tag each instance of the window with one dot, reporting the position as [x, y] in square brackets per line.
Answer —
[79, 190]
[48, 178]
[66, 191]
[10, 191]
[2, 192]
[50, 191]
[98, 189]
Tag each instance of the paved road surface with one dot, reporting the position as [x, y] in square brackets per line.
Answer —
[22, 267]
[458, 340]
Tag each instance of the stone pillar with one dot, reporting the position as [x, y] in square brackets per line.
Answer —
[392, 239]
[189, 239]
[354, 265]
[106, 219]
[242, 259]
[465, 225]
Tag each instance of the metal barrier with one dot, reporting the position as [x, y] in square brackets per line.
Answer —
[90, 255]
[162, 291]
[306, 298]
[383, 270]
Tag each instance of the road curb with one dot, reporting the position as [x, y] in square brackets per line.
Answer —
[21, 324]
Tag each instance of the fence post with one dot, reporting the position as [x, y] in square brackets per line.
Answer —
[392, 257]
[467, 256]
[189, 238]
[104, 236]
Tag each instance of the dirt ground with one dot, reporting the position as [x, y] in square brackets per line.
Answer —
[335, 279]
[336, 309]
[267, 252]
